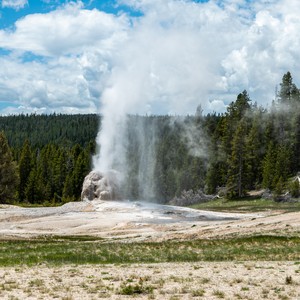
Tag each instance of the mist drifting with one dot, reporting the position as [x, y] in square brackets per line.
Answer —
[170, 62]
[162, 67]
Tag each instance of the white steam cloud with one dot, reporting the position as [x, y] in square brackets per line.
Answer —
[179, 54]
[163, 66]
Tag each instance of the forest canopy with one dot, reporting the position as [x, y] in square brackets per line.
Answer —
[247, 147]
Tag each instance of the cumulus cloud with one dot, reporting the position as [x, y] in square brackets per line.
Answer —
[168, 59]
[58, 85]
[70, 29]
[268, 50]
[15, 4]
[59, 61]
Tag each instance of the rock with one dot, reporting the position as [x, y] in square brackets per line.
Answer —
[267, 194]
[105, 195]
[101, 186]
[190, 197]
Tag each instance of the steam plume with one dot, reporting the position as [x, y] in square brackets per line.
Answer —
[160, 68]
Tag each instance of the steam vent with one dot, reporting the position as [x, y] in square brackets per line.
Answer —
[101, 186]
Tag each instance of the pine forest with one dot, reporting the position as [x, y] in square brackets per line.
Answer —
[44, 158]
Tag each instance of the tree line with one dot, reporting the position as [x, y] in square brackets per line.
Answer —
[51, 155]
[252, 147]
[247, 147]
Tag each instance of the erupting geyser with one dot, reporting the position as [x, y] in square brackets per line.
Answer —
[146, 80]
[101, 186]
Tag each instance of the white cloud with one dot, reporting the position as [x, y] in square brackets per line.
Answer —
[216, 105]
[74, 48]
[176, 55]
[269, 49]
[67, 30]
[15, 4]
[56, 86]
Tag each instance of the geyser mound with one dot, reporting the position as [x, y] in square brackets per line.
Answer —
[101, 186]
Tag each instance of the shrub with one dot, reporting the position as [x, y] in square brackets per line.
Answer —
[134, 289]
[295, 189]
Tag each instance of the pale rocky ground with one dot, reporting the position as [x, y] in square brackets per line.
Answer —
[202, 280]
[128, 221]
[137, 221]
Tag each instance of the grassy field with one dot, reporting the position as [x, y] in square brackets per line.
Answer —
[86, 250]
[260, 266]
[248, 205]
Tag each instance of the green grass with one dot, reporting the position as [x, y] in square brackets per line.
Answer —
[72, 250]
[34, 205]
[248, 204]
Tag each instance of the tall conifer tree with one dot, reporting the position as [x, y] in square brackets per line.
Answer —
[25, 166]
[8, 172]
[236, 183]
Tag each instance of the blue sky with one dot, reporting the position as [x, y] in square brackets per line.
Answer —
[10, 14]
[143, 56]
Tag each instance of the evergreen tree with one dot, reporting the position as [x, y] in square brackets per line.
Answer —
[8, 172]
[295, 144]
[254, 152]
[211, 180]
[276, 165]
[279, 188]
[288, 93]
[81, 169]
[68, 190]
[31, 190]
[283, 163]
[25, 166]
[269, 127]
[237, 180]
[295, 188]
[59, 173]
[269, 163]
[237, 110]
[212, 177]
